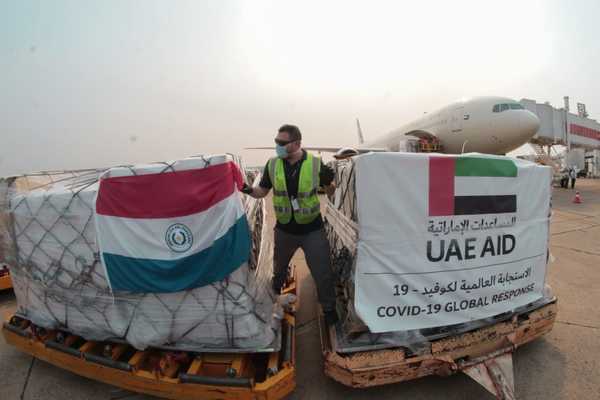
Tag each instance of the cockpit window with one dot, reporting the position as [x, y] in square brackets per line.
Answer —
[507, 106]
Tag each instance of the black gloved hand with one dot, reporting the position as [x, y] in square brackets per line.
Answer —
[246, 189]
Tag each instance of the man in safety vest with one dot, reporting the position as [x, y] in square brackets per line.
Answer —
[295, 175]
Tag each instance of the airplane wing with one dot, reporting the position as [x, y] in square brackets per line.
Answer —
[335, 149]
[325, 149]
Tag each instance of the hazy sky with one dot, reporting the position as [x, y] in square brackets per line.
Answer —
[98, 83]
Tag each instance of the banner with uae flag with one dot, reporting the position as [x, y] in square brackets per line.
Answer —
[167, 228]
[448, 239]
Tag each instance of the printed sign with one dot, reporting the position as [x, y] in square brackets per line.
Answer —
[448, 239]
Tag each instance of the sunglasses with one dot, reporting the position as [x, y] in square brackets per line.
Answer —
[284, 142]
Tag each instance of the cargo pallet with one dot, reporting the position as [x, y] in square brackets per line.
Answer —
[485, 354]
[169, 374]
[5, 282]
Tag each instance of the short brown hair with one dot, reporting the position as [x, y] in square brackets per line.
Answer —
[291, 130]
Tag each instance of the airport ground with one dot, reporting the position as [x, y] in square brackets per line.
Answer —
[565, 364]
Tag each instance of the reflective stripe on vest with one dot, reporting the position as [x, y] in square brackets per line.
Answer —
[314, 209]
[308, 182]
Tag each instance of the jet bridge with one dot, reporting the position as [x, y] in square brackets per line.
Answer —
[558, 126]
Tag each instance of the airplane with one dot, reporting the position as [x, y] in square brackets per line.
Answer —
[490, 124]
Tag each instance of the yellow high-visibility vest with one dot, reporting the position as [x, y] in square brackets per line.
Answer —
[308, 201]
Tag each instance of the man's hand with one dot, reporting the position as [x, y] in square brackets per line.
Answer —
[329, 189]
[255, 191]
[247, 189]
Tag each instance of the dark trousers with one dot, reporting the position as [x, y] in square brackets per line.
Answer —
[316, 251]
[564, 183]
[573, 183]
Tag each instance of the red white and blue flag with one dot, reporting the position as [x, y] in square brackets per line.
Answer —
[172, 231]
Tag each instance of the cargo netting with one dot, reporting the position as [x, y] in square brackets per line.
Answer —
[49, 240]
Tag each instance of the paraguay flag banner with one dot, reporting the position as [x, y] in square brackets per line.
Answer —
[171, 228]
[448, 239]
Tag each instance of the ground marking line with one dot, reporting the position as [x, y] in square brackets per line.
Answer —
[27, 378]
[576, 324]
[575, 230]
[590, 253]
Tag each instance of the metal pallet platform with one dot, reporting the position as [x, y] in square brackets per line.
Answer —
[163, 373]
[5, 282]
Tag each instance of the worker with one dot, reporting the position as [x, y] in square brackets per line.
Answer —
[573, 176]
[295, 176]
[564, 178]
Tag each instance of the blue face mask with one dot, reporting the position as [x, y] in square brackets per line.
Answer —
[281, 151]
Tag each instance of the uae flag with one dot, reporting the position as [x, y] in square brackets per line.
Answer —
[470, 185]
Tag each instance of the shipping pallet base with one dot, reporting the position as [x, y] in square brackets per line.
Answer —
[166, 374]
[484, 354]
[5, 282]
[163, 374]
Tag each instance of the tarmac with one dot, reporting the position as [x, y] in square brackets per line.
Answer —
[565, 364]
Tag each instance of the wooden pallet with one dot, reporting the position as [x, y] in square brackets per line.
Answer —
[444, 357]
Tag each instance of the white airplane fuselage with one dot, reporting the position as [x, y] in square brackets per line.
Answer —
[493, 125]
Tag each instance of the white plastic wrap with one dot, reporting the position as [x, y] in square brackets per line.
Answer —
[400, 195]
[60, 282]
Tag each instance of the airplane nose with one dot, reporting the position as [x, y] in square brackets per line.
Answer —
[530, 123]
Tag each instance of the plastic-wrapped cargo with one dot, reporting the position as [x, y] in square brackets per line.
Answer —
[429, 245]
[163, 254]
